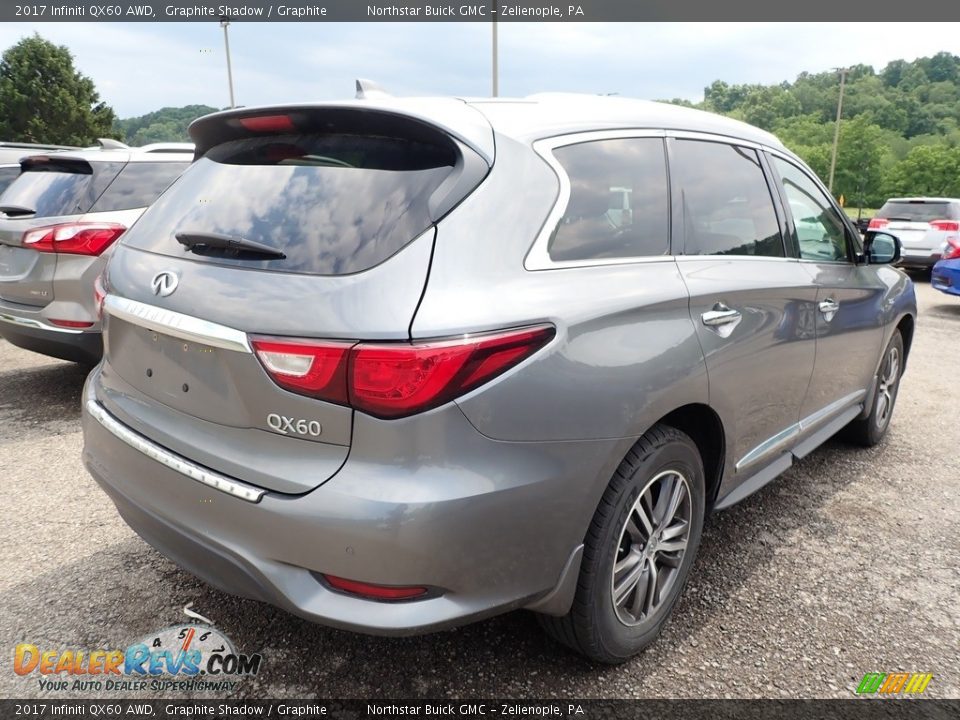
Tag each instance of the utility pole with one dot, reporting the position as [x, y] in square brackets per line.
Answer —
[836, 130]
[496, 63]
[225, 23]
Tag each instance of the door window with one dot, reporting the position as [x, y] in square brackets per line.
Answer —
[821, 232]
[618, 200]
[727, 207]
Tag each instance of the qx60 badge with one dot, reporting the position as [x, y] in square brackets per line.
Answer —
[164, 283]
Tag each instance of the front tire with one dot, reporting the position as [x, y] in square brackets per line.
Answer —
[638, 551]
[869, 431]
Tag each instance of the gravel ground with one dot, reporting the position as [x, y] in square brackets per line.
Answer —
[848, 563]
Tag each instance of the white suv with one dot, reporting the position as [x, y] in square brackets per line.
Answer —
[923, 225]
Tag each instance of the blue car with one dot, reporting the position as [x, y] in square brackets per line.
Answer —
[946, 276]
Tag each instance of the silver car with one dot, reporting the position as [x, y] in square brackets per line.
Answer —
[398, 365]
[924, 226]
[59, 218]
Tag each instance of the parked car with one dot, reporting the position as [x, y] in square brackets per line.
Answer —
[921, 224]
[393, 365]
[945, 276]
[8, 173]
[58, 219]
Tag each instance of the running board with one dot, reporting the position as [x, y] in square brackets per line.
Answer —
[783, 463]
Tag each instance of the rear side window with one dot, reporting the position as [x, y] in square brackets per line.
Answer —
[918, 211]
[138, 185]
[333, 204]
[727, 207]
[618, 200]
[59, 187]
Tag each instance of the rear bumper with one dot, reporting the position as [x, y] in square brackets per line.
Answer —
[29, 329]
[946, 277]
[919, 260]
[487, 530]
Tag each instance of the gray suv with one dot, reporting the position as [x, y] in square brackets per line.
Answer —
[398, 365]
[59, 219]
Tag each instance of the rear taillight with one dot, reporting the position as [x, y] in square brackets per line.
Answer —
[951, 249]
[393, 380]
[268, 123]
[877, 223]
[73, 238]
[945, 225]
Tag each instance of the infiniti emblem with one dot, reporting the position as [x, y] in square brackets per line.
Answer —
[164, 283]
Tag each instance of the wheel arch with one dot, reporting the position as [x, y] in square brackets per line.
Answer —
[705, 428]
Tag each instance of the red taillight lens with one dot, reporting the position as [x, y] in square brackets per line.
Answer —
[877, 223]
[374, 592]
[73, 238]
[268, 123]
[945, 225]
[315, 369]
[951, 251]
[393, 380]
[71, 323]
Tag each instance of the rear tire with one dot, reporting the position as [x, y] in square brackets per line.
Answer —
[638, 550]
[869, 431]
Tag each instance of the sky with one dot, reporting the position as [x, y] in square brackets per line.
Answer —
[141, 67]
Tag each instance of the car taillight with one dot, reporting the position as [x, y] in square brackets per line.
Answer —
[78, 324]
[73, 238]
[951, 249]
[315, 369]
[268, 123]
[945, 225]
[877, 223]
[393, 380]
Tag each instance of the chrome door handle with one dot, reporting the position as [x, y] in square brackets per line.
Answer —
[829, 308]
[720, 315]
[721, 319]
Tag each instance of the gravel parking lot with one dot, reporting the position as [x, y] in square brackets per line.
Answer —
[848, 563]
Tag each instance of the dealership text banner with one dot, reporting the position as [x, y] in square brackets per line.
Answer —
[525, 11]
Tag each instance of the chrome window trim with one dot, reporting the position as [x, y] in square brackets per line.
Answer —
[538, 257]
[176, 463]
[36, 324]
[185, 327]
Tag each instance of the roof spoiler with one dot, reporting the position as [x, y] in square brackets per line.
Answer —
[369, 89]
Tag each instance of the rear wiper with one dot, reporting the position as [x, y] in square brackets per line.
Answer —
[12, 210]
[201, 242]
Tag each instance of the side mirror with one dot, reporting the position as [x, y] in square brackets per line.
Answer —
[881, 248]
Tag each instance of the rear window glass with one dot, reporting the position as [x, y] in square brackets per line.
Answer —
[138, 185]
[333, 204]
[61, 188]
[7, 176]
[918, 211]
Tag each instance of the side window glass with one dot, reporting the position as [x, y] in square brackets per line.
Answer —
[727, 208]
[138, 185]
[618, 200]
[821, 232]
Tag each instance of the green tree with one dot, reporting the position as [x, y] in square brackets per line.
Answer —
[44, 99]
[927, 170]
[167, 124]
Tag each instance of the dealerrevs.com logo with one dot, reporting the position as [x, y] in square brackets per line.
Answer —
[894, 683]
[189, 657]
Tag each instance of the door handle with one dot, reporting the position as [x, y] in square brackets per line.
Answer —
[829, 308]
[720, 315]
[721, 319]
